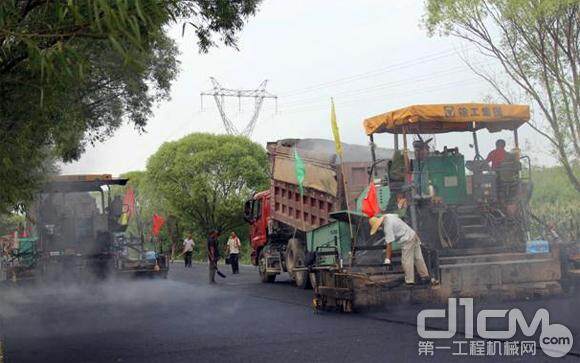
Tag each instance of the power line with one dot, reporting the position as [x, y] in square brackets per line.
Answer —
[180, 127]
[434, 87]
[373, 73]
[417, 86]
[378, 87]
[219, 94]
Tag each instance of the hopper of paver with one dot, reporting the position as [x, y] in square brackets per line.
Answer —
[365, 282]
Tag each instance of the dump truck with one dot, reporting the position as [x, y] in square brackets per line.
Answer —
[473, 220]
[77, 234]
[281, 216]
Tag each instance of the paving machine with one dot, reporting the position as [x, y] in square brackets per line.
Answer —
[472, 219]
[77, 235]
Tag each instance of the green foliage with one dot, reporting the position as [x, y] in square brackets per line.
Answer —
[205, 179]
[446, 16]
[555, 201]
[199, 183]
[10, 222]
[72, 71]
[536, 43]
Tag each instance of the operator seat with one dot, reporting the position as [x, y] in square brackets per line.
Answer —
[508, 177]
[483, 181]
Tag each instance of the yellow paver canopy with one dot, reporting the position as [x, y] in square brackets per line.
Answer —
[433, 119]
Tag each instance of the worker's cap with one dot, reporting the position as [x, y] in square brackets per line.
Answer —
[375, 223]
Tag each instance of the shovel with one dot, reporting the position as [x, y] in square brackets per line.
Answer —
[220, 273]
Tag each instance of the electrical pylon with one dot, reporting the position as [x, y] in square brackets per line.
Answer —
[219, 94]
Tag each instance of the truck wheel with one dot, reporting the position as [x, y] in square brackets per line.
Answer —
[295, 257]
[264, 277]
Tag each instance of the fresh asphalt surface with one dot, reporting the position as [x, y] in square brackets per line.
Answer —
[183, 319]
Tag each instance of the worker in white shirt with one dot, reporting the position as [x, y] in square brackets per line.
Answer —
[188, 245]
[397, 230]
[234, 245]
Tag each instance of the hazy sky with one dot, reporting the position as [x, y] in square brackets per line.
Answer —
[371, 56]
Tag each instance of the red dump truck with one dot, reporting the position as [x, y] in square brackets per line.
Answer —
[279, 218]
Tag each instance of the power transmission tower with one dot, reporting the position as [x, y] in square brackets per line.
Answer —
[219, 94]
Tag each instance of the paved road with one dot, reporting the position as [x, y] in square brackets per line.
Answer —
[182, 319]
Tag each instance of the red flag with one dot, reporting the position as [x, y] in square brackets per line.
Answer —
[129, 201]
[370, 204]
[158, 222]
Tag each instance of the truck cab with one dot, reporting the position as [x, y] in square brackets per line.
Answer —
[257, 214]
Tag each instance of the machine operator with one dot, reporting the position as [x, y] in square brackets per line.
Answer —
[497, 156]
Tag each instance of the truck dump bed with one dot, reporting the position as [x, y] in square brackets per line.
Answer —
[324, 190]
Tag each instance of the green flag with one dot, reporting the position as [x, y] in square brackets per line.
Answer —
[300, 171]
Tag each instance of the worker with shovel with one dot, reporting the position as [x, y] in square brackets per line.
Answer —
[213, 256]
[397, 230]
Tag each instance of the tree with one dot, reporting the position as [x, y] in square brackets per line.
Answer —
[555, 201]
[72, 71]
[537, 45]
[206, 179]
[10, 222]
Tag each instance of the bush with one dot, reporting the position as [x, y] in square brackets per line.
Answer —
[555, 201]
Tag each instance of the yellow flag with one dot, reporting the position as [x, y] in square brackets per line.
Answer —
[335, 129]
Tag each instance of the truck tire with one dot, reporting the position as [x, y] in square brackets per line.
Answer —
[264, 277]
[295, 257]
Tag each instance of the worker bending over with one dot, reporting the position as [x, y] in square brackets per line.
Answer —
[397, 230]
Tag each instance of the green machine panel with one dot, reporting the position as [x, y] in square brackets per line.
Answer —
[27, 251]
[334, 236]
[446, 172]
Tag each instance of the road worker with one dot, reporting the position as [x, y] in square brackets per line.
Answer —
[497, 155]
[188, 245]
[397, 230]
[212, 255]
[233, 248]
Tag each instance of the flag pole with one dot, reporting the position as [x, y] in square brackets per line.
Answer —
[140, 227]
[302, 208]
[347, 197]
[340, 153]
